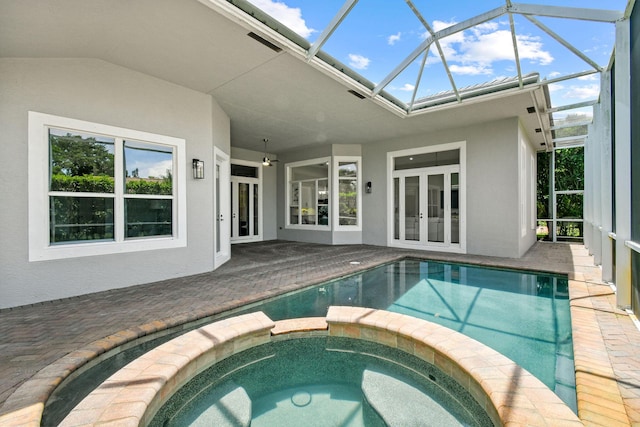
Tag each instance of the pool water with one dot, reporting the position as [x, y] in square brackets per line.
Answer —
[523, 315]
[321, 381]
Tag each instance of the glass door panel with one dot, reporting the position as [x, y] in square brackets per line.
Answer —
[412, 208]
[218, 210]
[436, 208]
[455, 209]
[396, 208]
[255, 211]
[243, 209]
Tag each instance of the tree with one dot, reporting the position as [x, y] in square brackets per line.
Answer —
[73, 155]
[569, 175]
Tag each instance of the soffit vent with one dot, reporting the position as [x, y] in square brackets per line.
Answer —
[531, 110]
[265, 42]
[356, 94]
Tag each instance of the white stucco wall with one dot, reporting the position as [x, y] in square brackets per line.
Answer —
[492, 192]
[96, 91]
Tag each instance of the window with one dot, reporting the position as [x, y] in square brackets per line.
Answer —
[308, 194]
[97, 189]
[347, 181]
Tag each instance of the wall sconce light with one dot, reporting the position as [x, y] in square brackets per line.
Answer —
[198, 169]
[367, 187]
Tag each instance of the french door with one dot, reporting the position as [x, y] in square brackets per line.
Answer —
[427, 207]
[245, 209]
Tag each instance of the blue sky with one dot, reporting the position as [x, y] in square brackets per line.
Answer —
[379, 34]
[151, 160]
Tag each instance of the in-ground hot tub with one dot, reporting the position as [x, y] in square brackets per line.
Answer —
[321, 381]
[460, 367]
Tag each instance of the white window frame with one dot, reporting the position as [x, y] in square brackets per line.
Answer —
[39, 247]
[336, 197]
[287, 212]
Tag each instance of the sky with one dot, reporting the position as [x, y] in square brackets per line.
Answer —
[377, 35]
[152, 161]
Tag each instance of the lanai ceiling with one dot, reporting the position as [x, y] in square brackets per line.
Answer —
[299, 94]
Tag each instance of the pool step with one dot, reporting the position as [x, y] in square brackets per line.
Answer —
[400, 404]
[228, 406]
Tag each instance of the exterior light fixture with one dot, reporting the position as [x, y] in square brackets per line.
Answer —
[198, 169]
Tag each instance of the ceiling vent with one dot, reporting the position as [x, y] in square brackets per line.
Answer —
[265, 42]
[538, 130]
[531, 110]
[356, 94]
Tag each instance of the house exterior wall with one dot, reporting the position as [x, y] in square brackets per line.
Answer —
[492, 190]
[100, 92]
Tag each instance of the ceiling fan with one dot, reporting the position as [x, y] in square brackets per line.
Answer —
[266, 161]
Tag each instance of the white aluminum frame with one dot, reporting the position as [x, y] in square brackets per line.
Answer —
[39, 246]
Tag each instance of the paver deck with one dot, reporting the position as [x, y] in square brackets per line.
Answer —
[41, 343]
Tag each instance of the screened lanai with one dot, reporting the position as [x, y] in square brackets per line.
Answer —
[518, 86]
[413, 57]
[454, 111]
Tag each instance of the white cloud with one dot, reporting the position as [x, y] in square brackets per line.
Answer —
[590, 78]
[392, 39]
[149, 168]
[485, 27]
[289, 16]
[408, 87]
[441, 25]
[474, 51]
[554, 87]
[583, 92]
[470, 70]
[358, 62]
[531, 48]
[554, 74]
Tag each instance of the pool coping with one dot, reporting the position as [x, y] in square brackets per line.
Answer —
[509, 394]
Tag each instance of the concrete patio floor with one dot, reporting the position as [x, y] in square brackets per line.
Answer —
[42, 344]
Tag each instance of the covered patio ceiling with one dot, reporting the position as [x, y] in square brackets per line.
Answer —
[273, 83]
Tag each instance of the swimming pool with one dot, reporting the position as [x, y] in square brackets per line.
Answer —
[523, 315]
